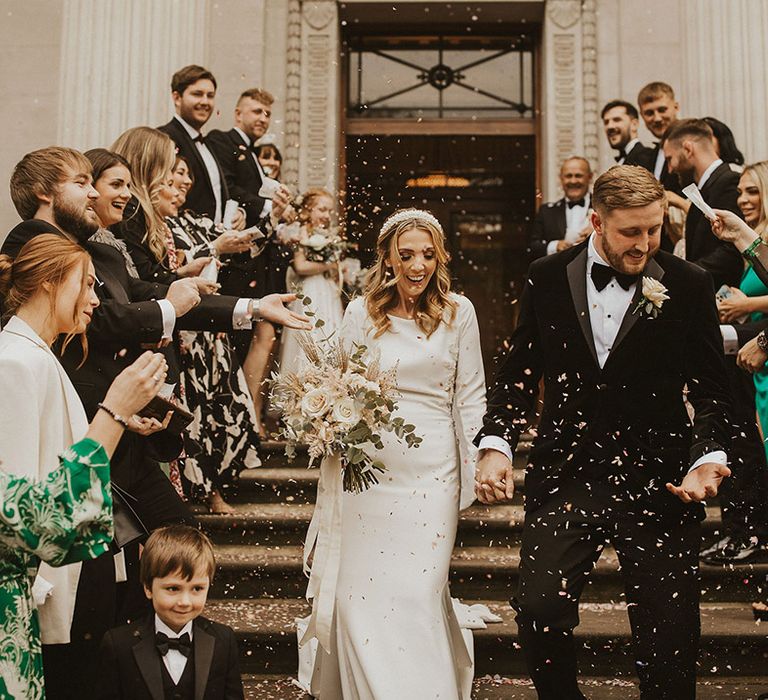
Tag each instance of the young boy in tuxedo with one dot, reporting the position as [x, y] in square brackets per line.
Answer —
[174, 653]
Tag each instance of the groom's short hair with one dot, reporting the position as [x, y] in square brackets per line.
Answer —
[625, 186]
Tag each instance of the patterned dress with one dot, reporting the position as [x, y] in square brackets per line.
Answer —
[65, 518]
[223, 438]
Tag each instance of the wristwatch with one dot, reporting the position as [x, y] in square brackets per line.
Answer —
[762, 341]
[253, 310]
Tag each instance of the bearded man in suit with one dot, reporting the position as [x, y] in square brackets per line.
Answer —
[620, 122]
[616, 328]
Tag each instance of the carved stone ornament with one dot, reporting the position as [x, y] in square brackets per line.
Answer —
[319, 14]
[564, 13]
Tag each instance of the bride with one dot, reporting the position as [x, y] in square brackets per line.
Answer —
[394, 631]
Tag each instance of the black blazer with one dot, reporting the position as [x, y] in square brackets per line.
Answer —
[719, 258]
[240, 170]
[200, 198]
[242, 273]
[670, 180]
[131, 663]
[641, 155]
[629, 416]
[548, 225]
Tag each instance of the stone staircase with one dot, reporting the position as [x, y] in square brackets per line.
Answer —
[259, 589]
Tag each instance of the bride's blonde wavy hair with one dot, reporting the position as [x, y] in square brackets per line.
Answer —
[381, 295]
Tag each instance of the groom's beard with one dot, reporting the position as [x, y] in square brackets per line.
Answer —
[618, 261]
[73, 221]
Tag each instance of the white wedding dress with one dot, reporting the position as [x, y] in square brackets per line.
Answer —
[395, 634]
[326, 303]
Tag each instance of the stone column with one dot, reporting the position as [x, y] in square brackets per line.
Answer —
[725, 58]
[117, 59]
[290, 169]
[562, 90]
[320, 50]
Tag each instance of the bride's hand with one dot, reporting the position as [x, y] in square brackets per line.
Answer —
[494, 477]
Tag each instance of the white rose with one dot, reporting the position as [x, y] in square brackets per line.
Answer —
[316, 403]
[654, 291]
[345, 412]
[316, 241]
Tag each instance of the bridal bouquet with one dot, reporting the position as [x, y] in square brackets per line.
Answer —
[325, 245]
[337, 405]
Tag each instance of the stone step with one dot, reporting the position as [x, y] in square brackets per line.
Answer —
[246, 571]
[495, 687]
[732, 643]
[298, 484]
[287, 523]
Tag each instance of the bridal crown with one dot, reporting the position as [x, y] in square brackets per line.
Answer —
[408, 215]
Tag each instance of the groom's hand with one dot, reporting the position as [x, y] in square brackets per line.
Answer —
[493, 477]
[701, 483]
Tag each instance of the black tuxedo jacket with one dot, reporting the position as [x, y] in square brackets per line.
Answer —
[240, 170]
[241, 272]
[200, 198]
[719, 258]
[131, 663]
[548, 225]
[628, 417]
[641, 155]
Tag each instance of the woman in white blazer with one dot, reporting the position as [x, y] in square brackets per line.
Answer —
[48, 292]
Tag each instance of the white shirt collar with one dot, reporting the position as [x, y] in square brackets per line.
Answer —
[631, 145]
[160, 626]
[706, 174]
[243, 136]
[193, 133]
[593, 256]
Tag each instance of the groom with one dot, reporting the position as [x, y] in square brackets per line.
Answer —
[617, 330]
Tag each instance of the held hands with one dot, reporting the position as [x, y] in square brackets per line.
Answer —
[272, 308]
[701, 483]
[494, 477]
[751, 357]
[137, 384]
[183, 295]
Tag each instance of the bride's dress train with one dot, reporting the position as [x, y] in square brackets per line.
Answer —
[394, 628]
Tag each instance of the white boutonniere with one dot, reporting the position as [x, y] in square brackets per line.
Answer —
[654, 296]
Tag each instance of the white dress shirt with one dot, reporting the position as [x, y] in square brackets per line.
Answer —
[606, 313]
[708, 172]
[175, 662]
[210, 165]
[575, 220]
[267, 208]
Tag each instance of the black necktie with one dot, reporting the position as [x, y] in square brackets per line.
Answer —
[181, 644]
[576, 203]
[602, 275]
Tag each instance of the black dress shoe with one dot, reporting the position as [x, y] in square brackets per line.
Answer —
[736, 551]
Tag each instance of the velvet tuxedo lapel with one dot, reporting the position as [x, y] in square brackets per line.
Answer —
[577, 282]
[652, 269]
[203, 643]
[148, 660]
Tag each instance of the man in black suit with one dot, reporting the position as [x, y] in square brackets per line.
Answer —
[690, 152]
[620, 122]
[561, 224]
[193, 90]
[51, 190]
[616, 329]
[659, 110]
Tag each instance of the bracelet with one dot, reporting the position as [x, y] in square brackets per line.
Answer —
[115, 416]
[750, 252]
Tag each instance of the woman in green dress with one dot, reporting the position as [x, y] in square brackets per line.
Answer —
[64, 515]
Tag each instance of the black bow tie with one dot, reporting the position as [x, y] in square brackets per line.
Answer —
[602, 275]
[181, 644]
[199, 139]
[576, 203]
[621, 156]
